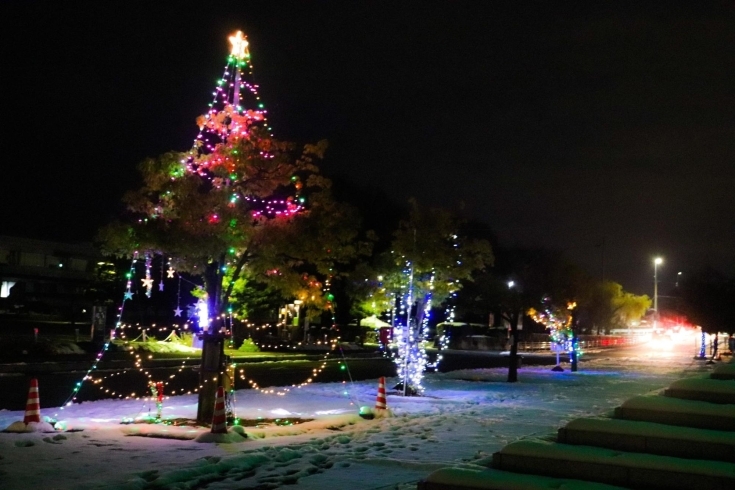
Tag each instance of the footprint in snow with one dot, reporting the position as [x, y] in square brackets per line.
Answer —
[318, 459]
[149, 475]
[24, 443]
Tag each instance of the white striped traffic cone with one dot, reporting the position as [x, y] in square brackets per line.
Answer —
[380, 403]
[33, 405]
[219, 419]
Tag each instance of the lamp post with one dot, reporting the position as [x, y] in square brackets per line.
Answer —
[656, 262]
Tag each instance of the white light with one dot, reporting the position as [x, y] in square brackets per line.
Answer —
[658, 261]
[203, 314]
[239, 46]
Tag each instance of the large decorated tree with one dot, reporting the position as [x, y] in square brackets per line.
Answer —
[240, 206]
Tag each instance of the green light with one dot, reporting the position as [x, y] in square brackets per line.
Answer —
[343, 367]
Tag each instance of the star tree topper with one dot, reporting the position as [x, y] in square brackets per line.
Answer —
[239, 46]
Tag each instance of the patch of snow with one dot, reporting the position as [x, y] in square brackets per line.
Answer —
[22, 427]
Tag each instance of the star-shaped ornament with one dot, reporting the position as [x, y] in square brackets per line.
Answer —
[128, 295]
[170, 272]
[239, 46]
[147, 282]
[177, 311]
[160, 286]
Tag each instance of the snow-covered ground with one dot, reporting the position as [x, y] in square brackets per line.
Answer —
[464, 417]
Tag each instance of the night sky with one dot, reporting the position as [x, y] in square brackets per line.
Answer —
[559, 124]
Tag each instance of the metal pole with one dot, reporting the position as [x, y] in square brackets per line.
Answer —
[655, 287]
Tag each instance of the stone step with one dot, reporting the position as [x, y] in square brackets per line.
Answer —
[630, 470]
[703, 389]
[490, 479]
[724, 371]
[675, 411]
[649, 437]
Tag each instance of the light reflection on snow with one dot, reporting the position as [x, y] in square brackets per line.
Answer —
[280, 411]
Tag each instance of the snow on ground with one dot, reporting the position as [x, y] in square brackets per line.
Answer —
[464, 418]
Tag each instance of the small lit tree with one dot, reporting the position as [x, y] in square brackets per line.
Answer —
[424, 267]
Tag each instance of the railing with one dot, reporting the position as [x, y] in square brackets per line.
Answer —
[587, 342]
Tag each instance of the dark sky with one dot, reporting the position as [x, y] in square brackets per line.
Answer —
[557, 123]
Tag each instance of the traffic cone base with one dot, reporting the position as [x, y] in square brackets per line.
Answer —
[380, 401]
[33, 405]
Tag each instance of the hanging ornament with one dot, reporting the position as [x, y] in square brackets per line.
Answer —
[177, 311]
[148, 281]
[191, 310]
[128, 292]
[160, 282]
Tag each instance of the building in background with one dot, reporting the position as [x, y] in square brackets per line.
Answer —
[47, 280]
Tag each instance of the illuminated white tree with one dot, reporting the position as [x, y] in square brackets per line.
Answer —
[427, 261]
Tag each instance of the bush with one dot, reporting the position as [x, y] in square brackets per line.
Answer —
[248, 346]
[187, 338]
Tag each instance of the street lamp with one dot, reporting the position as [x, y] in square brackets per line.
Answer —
[656, 262]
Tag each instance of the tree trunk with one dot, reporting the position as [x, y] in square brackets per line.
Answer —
[212, 368]
[211, 373]
[513, 359]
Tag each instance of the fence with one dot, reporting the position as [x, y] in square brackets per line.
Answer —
[540, 342]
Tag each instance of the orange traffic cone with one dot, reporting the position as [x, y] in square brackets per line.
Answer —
[33, 405]
[219, 419]
[380, 403]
